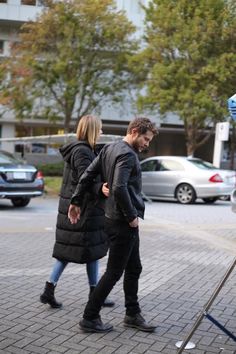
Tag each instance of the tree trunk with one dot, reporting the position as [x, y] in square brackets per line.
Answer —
[190, 138]
[190, 149]
[195, 137]
[67, 123]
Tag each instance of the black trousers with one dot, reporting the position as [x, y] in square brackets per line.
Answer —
[124, 258]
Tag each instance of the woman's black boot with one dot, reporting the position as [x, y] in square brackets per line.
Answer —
[48, 296]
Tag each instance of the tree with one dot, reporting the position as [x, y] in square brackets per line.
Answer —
[189, 63]
[67, 62]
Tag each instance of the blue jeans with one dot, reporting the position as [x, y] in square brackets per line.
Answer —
[59, 266]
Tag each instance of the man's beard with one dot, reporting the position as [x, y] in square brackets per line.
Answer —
[136, 146]
[139, 148]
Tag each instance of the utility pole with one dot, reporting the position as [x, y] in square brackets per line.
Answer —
[221, 135]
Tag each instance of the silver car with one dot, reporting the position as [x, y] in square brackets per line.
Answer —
[185, 179]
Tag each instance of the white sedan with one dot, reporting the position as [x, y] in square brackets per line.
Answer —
[185, 179]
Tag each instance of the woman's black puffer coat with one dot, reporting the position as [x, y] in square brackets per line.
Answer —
[86, 240]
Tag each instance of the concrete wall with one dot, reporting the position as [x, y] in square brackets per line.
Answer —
[7, 131]
[14, 11]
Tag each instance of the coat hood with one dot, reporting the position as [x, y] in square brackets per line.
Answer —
[67, 149]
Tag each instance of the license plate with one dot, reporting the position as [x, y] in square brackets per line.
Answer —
[19, 175]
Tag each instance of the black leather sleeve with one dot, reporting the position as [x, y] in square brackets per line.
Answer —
[82, 158]
[86, 181]
[123, 168]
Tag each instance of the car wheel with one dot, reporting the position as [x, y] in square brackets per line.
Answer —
[210, 200]
[185, 194]
[20, 202]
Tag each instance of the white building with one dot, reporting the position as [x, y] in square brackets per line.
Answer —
[13, 13]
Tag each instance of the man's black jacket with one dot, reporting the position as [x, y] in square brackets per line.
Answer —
[118, 165]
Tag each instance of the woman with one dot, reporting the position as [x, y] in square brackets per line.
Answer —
[86, 241]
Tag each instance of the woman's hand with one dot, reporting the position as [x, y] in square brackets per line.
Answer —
[134, 223]
[105, 189]
[73, 213]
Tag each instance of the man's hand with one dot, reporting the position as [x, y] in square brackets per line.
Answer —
[134, 223]
[105, 189]
[73, 213]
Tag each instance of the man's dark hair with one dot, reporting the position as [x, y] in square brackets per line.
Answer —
[142, 125]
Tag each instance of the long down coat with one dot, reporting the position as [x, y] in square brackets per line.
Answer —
[86, 240]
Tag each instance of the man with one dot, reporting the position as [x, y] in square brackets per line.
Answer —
[118, 164]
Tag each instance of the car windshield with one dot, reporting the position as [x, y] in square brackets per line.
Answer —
[7, 158]
[204, 165]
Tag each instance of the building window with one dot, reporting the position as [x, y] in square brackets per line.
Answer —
[1, 47]
[3, 1]
[28, 2]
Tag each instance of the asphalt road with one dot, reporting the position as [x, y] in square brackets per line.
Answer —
[214, 223]
[39, 215]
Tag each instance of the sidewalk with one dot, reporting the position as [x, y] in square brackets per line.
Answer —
[180, 272]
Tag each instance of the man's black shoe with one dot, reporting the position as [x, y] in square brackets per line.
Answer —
[95, 326]
[137, 321]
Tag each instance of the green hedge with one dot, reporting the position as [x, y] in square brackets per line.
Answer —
[51, 169]
[52, 185]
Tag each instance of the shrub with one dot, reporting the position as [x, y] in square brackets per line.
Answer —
[52, 185]
[51, 169]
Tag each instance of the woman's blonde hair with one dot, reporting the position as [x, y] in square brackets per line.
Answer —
[88, 129]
